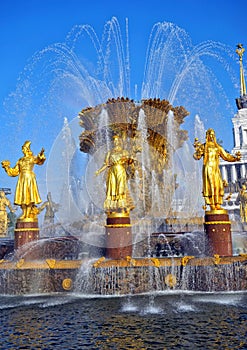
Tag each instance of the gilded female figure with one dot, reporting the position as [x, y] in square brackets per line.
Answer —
[211, 151]
[116, 161]
[26, 193]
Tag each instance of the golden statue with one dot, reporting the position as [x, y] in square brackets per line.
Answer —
[211, 151]
[117, 193]
[243, 203]
[4, 203]
[26, 193]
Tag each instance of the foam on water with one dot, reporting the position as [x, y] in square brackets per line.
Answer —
[223, 300]
[48, 300]
[183, 307]
[129, 307]
[151, 309]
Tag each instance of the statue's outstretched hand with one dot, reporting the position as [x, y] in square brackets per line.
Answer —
[5, 164]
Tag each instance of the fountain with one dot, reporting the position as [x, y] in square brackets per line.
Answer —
[132, 222]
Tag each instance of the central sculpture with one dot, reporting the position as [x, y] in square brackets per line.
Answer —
[118, 202]
[141, 139]
[118, 198]
[145, 136]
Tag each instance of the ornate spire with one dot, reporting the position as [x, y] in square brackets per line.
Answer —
[240, 51]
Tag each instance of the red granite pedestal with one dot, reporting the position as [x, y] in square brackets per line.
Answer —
[118, 236]
[25, 232]
[218, 232]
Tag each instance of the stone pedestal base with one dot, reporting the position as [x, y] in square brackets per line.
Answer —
[25, 232]
[218, 232]
[118, 237]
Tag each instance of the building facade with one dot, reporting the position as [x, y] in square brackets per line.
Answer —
[235, 174]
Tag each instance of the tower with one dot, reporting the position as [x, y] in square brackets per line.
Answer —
[235, 174]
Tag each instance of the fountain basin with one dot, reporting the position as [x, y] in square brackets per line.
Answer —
[38, 276]
[126, 276]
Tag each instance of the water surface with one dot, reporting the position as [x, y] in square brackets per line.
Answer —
[160, 321]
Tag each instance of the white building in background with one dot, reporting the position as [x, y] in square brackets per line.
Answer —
[235, 174]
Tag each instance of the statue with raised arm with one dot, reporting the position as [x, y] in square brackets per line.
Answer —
[26, 193]
[117, 193]
[211, 151]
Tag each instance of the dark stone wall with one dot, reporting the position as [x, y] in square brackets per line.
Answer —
[29, 281]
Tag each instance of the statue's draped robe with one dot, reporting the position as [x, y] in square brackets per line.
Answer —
[213, 189]
[26, 188]
[116, 183]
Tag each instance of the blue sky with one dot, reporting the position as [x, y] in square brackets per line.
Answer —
[29, 26]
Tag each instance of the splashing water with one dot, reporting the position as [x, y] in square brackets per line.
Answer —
[63, 78]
